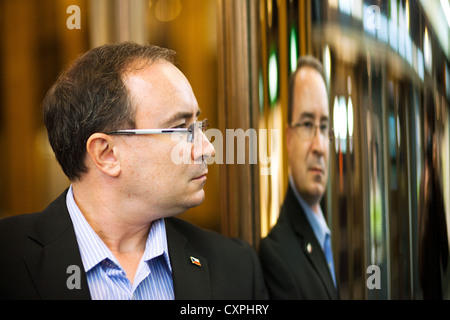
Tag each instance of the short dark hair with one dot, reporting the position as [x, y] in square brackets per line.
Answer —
[303, 61]
[90, 96]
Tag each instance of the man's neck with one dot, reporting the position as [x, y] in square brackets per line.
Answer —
[312, 202]
[113, 224]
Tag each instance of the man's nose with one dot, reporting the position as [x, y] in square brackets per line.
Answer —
[318, 143]
[202, 149]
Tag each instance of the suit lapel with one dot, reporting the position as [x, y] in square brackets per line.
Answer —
[308, 241]
[190, 281]
[315, 255]
[53, 248]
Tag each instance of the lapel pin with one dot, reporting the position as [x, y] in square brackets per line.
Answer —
[195, 261]
[309, 247]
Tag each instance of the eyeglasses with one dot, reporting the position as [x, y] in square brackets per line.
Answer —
[307, 130]
[191, 130]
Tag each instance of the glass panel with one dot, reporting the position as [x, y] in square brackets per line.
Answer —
[273, 75]
[377, 246]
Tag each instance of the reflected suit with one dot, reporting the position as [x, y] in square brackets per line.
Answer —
[293, 261]
[432, 228]
[433, 241]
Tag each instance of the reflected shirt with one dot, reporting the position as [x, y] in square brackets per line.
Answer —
[107, 279]
[316, 220]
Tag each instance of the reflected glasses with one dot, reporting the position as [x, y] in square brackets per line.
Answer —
[191, 130]
[307, 130]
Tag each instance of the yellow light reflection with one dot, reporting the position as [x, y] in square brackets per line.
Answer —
[327, 64]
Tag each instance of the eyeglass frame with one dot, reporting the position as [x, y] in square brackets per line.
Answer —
[316, 126]
[190, 129]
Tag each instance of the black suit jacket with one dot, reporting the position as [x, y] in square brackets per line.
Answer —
[36, 250]
[293, 262]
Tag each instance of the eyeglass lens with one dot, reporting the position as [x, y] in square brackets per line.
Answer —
[195, 127]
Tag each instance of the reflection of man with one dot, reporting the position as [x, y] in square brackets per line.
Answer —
[105, 117]
[433, 246]
[296, 255]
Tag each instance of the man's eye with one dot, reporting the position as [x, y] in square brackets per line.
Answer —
[308, 124]
[181, 126]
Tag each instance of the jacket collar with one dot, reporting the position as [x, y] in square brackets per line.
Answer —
[191, 281]
[54, 254]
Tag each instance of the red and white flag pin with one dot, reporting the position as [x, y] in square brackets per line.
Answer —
[195, 261]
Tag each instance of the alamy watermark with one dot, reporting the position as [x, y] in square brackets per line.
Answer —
[374, 278]
[74, 279]
[74, 20]
[231, 149]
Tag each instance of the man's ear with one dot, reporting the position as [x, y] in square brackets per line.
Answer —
[100, 148]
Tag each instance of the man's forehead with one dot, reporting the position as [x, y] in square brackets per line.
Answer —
[312, 115]
[155, 74]
[309, 107]
[162, 92]
[310, 95]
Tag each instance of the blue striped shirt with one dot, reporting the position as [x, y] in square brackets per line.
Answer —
[107, 279]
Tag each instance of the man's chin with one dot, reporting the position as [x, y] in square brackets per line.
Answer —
[195, 200]
[317, 191]
[200, 198]
[186, 203]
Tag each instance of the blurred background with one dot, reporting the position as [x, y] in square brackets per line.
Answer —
[388, 72]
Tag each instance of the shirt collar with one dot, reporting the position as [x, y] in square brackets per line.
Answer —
[93, 250]
[316, 220]
[156, 244]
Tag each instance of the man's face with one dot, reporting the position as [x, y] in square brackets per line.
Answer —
[163, 98]
[308, 157]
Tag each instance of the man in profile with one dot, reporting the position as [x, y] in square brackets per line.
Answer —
[296, 255]
[110, 120]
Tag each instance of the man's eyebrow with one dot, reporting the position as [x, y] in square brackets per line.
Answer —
[307, 115]
[180, 115]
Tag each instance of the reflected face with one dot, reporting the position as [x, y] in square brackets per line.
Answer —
[308, 155]
[163, 98]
